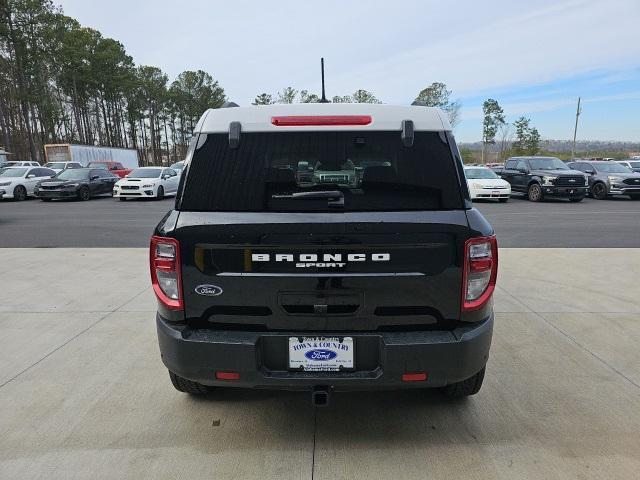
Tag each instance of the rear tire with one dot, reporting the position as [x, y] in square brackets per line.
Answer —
[576, 200]
[45, 199]
[503, 200]
[122, 199]
[187, 386]
[599, 191]
[467, 387]
[534, 192]
[634, 197]
[19, 193]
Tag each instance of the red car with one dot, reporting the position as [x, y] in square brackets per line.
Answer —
[114, 167]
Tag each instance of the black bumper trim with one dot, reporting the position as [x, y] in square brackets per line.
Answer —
[446, 356]
[55, 194]
[563, 192]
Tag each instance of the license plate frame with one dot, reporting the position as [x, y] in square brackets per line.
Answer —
[321, 354]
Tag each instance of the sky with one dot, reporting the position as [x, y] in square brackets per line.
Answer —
[534, 57]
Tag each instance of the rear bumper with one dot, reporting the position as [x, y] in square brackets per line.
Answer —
[261, 358]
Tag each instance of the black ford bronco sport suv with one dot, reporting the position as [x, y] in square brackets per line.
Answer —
[324, 247]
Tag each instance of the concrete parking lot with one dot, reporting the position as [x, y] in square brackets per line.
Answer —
[104, 222]
[83, 393]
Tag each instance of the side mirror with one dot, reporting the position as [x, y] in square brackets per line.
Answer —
[522, 170]
[31, 175]
[126, 176]
[590, 172]
[94, 177]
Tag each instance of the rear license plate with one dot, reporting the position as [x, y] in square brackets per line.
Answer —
[321, 354]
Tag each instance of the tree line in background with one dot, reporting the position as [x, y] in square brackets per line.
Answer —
[64, 83]
[61, 82]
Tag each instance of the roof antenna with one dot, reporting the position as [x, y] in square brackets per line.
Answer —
[324, 98]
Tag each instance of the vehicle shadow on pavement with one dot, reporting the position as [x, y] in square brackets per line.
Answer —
[357, 417]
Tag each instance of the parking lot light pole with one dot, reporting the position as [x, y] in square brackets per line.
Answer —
[575, 131]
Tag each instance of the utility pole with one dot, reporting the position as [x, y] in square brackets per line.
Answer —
[575, 130]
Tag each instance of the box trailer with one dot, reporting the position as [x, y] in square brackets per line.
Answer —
[86, 153]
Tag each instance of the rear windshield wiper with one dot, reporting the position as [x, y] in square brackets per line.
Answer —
[328, 194]
[335, 197]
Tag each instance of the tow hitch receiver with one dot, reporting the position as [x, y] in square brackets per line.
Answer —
[320, 396]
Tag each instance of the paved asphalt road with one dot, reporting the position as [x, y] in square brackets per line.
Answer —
[105, 222]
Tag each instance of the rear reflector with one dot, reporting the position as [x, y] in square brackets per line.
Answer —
[414, 377]
[227, 376]
[320, 120]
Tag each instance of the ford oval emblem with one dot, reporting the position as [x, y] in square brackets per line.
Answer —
[208, 290]
[320, 355]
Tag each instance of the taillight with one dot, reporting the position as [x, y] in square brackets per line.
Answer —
[480, 271]
[164, 257]
[320, 120]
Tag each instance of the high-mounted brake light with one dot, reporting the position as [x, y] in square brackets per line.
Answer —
[480, 271]
[320, 120]
[164, 259]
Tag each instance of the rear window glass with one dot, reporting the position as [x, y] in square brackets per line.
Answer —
[479, 173]
[611, 167]
[145, 173]
[322, 171]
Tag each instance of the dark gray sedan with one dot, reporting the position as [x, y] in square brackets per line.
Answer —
[609, 179]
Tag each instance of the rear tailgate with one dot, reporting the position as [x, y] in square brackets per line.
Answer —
[325, 271]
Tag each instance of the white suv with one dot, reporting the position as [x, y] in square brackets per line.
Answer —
[20, 164]
[632, 164]
[60, 166]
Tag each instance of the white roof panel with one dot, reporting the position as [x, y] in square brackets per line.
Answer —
[257, 118]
